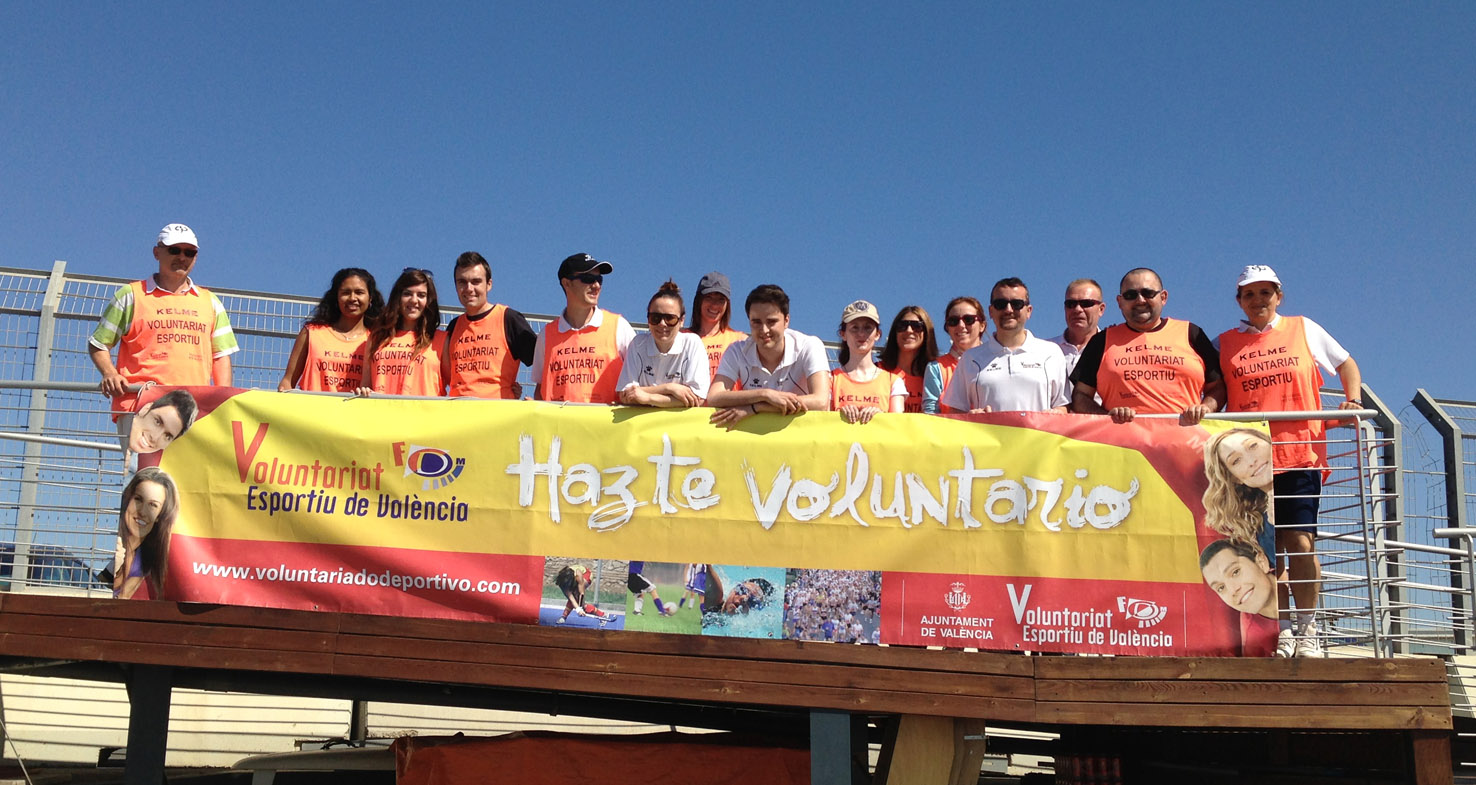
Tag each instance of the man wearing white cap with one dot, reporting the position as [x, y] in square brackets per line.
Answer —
[167, 330]
[1011, 370]
[1271, 363]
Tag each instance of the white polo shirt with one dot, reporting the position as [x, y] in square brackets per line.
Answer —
[1031, 378]
[1069, 350]
[646, 366]
[803, 355]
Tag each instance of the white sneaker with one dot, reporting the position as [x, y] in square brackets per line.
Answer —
[1307, 643]
[1286, 643]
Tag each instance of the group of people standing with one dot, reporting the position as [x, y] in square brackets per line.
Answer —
[167, 330]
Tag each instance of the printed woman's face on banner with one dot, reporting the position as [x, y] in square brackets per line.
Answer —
[1248, 459]
[142, 509]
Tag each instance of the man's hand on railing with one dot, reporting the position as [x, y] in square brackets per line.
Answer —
[113, 385]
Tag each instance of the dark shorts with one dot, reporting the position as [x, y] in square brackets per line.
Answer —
[1298, 493]
[637, 583]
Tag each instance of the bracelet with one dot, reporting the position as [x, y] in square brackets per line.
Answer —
[753, 407]
[1358, 401]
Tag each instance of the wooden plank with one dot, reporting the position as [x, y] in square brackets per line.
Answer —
[718, 688]
[1240, 669]
[199, 634]
[690, 645]
[148, 610]
[152, 653]
[1277, 693]
[923, 752]
[1429, 753]
[1187, 715]
[647, 663]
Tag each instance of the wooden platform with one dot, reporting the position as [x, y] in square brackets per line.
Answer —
[254, 649]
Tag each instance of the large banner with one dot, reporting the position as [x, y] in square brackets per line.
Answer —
[1017, 532]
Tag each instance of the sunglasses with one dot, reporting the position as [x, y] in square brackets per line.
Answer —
[421, 270]
[1000, 304]
[913, 325]
[1082, 304]
[669, 319]
[587, 278]
[1132, 295]
[967, 320]
[174, 250]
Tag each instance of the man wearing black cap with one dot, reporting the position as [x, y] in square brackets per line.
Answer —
[578, 356]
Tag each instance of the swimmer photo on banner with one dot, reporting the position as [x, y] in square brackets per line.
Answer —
[744, 602]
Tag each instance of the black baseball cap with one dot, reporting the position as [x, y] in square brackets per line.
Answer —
[583, 263]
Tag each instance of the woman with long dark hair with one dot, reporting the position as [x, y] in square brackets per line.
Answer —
[150, 503]
[712, 309]
[911, 345]
[404, 349]
[328, 355]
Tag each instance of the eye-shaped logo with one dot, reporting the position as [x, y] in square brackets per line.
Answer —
[436, 466]
[1145, 612]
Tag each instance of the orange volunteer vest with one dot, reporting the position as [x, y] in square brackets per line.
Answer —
[914, 392]
[398, 370]
[716, 344]
[581, 366]
[482, 364]
[168, 341]
[844, 391]
[332, 363]
[1154, 373]
[1275, 371]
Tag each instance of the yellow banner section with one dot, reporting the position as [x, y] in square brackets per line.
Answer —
[905, 492]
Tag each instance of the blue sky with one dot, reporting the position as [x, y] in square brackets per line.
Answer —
[900, 154]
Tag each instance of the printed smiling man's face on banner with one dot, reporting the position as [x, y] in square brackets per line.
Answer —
[154, 428]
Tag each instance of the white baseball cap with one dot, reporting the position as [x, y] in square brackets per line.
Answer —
[174, 234]
[1255, 273]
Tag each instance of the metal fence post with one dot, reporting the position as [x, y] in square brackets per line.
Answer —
[1455, 502]
[1388, 489]
[25, 521]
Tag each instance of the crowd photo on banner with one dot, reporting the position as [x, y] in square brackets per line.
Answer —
[1082, 390]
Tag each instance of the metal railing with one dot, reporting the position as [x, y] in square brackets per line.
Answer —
[1395, 582]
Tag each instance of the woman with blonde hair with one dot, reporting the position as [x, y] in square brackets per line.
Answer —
[1237, 503]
